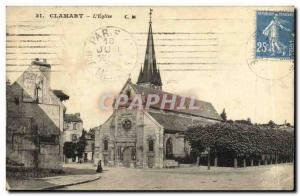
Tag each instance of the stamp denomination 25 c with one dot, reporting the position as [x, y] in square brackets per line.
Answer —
[270, 50]
[275, 34]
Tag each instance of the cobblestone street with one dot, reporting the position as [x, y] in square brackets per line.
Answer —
[271, 177]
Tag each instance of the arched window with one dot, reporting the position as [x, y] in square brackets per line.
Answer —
[105, 145]
[128, 93]
[151, 145]
[169, 148]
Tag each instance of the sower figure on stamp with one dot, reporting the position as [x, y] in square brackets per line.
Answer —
[99, 167]
[271, 31]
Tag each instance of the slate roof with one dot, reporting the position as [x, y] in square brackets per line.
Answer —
[150, 72]
[175, 122]
[205, 110]
[72, 118]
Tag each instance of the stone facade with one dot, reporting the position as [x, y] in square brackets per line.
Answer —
[34, 120]
[144, 138]
[88, 155]
[73, 126]
[118, 145]
[148, 137]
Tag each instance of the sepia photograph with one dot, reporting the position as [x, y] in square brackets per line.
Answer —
[150, 98]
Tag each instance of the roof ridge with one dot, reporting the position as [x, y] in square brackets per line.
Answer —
[157, 90]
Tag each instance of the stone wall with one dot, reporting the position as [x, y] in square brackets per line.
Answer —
[152, 131]
[143, 128]
[34, 127]
[69, 131]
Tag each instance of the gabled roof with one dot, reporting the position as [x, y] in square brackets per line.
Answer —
[205, 110]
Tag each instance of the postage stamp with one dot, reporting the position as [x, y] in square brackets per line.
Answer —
[275, 35]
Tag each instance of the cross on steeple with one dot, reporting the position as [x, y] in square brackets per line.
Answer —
[150, 14]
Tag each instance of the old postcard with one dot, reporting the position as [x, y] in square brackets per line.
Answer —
[150, 98]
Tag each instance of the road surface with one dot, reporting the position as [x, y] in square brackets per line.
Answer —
[270, 177]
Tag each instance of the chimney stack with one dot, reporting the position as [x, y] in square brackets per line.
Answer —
[44, 67]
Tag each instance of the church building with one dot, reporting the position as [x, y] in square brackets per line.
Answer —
[153, 137]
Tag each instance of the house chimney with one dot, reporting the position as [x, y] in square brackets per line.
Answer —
[44, 67]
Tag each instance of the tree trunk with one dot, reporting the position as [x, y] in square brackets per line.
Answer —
[276, 159]
[235, 162]
[252, 162]
[271, 161]
[244, 162]
[216, 161]
[266, 161]
[208, 158]
[258, 162]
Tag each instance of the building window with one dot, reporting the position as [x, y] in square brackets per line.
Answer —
[39, 91]
[169, 148]
[128, 93]
[74, 137]
[151, 145]
[105, 145]
[74, 126]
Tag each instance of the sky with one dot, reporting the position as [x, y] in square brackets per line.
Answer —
[207, 52]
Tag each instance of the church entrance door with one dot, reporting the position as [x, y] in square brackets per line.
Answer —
[127, 157]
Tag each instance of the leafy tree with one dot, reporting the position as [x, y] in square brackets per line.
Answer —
[249, 121]
[271, 123]
[242, 139]
[69, 149]
[80, 145]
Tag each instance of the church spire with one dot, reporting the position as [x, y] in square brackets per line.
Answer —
[149, 74]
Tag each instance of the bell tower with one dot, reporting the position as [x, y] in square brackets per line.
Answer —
[149, 74]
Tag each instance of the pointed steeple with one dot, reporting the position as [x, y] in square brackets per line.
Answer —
[150, 74]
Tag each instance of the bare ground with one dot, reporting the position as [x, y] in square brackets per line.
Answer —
[270, 177]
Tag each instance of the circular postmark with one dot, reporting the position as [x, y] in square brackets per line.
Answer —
[266, 68]
[110, 53]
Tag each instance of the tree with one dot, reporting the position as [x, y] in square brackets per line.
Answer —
[242, 139]
[249, 121]
[224, 115]
[80, 145]
[69, 150]
[271, 123]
